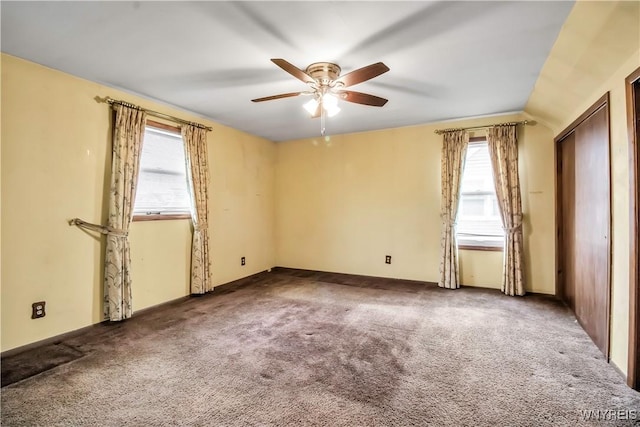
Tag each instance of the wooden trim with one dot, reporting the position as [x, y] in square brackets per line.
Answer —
[137, 218]
[633, 366]
[617, 369]
[610, 232]
[136, 314]
[477, 139]
[154, 308]
[51, 340]
[602, 102]
[481, 248]
[557, 180]
[77, 332]
[277, 270]
[163, 126]
[234, 284]
[604, 99]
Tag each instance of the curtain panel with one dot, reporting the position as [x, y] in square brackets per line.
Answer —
[454, 149]
[195, 143]
[503, 150]
[128, 134]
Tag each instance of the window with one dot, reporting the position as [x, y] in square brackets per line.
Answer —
[479, 222]
[163, 191]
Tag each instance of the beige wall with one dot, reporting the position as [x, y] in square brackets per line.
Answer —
[160, 261]
[599, 46]
[55, 163]
[344, 203]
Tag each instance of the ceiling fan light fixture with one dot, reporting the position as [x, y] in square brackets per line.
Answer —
[329, 101]
[331, 110]
[330, 104]
[311, 106]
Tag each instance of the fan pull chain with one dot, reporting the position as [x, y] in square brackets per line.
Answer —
[322, 120]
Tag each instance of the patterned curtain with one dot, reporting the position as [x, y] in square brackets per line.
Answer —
[503, 149]
[454, 149]
[128, 133]
[195, 143]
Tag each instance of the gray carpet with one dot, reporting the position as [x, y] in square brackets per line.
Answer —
[294, 347]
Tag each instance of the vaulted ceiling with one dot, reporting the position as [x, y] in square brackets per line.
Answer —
[448, 59]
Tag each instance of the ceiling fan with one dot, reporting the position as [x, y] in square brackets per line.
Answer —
[327, 86]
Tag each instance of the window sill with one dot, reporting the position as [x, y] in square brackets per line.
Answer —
[137, 218]
[481, 248]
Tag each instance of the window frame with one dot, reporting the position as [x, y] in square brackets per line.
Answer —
[161, 217]
[481, 246]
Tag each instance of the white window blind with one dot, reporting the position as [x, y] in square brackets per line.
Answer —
[162, 182]
[479, 222]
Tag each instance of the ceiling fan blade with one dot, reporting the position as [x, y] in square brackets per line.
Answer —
[363, 74]
[362, 98]
[293, 70]
[282, 95]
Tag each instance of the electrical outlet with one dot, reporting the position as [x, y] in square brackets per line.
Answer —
[242, 261]
[387, 259]
[37, 310]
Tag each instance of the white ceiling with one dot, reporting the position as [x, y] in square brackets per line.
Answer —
[448, 59]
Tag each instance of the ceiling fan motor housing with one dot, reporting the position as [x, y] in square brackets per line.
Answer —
[324, 72]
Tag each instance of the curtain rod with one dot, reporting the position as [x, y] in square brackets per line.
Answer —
[112, 101]
[522, 122]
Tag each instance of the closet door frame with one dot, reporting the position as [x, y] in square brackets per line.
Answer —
[633, 127]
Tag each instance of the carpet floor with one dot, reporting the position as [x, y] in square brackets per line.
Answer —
[295, 347]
